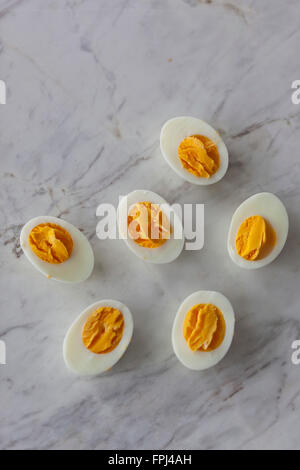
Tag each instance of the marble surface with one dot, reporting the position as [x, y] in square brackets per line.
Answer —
[89, 85]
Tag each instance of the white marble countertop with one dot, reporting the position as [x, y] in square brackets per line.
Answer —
[89, 85]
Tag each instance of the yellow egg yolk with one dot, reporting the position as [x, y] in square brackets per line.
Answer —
[199, 155]
[148, 226]
[255, 238]
[204, 327]
[51, 243]
[103, 330]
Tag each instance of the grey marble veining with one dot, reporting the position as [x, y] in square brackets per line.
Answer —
[89, 85]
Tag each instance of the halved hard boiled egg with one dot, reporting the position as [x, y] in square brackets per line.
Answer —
[98, 338]
[150, 227]
[203, 329]
[258, 231]
[194, 149]
[57, 249]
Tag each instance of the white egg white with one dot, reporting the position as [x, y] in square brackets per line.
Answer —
[201, 360]
[175, 130]
[84, 362]
[165, 253]
[81, 262]
[268, 206]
